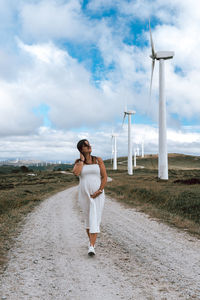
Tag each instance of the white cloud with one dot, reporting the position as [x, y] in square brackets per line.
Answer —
[49, 144]
[178, 31]
[16, 116]
[124, 80]
[56, 79]
[141, 9]
[65, 85]
[37, 71]
[48, 19]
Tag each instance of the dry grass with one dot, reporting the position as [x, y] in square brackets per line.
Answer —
[19, 194]
[175, 203]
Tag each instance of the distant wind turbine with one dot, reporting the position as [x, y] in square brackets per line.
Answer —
[138, 151]
[142, 149]
[135, 154]
[130, 164]
[162, 157]
[114, 150]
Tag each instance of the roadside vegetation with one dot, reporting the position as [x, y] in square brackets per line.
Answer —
[176, 201]
[21, 190]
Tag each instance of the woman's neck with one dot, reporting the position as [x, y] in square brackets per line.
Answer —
[88, 157]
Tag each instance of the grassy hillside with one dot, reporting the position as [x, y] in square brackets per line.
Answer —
[175, 161]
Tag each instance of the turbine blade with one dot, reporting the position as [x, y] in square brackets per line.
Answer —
[152, 44]
[152, 70]
[150, 89]
[123, 119]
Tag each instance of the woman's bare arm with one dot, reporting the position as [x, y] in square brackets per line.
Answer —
[77, 167]
[103, 173]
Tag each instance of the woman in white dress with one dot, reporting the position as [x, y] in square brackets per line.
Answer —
[92, 180]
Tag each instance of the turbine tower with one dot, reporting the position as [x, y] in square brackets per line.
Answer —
[130, 163]
[138, 151]
[142, 149]
[161, 56]
[135, 155]
[114, 150]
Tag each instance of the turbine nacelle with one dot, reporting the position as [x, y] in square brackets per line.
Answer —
[163, 55]
[157, 56]
[127, 112]
[130, 112]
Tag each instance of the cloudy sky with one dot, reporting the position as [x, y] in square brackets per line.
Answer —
[69, 67]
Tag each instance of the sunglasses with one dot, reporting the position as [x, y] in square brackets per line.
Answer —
[86, 145]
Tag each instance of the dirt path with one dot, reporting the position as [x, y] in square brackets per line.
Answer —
[136, 257]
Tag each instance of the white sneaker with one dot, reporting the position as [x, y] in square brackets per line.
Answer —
[91, 251]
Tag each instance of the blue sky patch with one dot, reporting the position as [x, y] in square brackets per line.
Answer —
[42, 111]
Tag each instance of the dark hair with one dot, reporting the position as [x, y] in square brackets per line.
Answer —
[80, 144]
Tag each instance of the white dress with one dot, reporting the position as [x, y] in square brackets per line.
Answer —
[89, 182]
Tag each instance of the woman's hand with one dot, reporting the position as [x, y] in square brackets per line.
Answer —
[96, 194]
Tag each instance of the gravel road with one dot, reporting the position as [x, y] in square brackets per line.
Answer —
[136, 257]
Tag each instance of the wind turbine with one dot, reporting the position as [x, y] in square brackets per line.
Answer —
[142, 149]
[161, 56]
[130, 163]
[114, 150]
[135, 155]
[138, 151]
